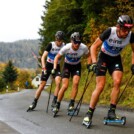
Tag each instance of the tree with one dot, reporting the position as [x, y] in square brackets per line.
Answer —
[24, 75]
[10, 73]
[2, 84]
[62, 15]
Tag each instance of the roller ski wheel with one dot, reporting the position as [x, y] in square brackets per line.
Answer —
[87, 124]
[52, 107]
[121, 121]
[71, 112]
[30, 108]
[55, 110]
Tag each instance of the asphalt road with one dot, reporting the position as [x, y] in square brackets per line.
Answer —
[15, 120]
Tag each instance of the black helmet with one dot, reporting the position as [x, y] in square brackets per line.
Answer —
[76, 36]
[125, 21]
[59, 35]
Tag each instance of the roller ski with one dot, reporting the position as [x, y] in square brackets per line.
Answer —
[72, 111]
[113, 119]
[55, 110]
[87, 121]
[53, 104]
[32, 106]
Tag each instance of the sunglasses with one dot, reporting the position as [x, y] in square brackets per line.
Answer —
[60, 41]
[125, 29]
[76, 42]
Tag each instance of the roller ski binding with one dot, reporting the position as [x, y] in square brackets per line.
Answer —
[87, 121]
[32, 106]
[53, 104]
[113, 119]
[55, 110]
[72, 111]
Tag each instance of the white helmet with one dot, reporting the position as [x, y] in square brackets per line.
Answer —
[125, 21]
[76, 36]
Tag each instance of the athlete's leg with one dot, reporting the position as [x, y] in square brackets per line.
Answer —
[65, 83]
[75, 84]
[56, 91]
[57, 83]
[37, 95]
[44, 78]
[117, 78]
[39, 90]
[100, 83]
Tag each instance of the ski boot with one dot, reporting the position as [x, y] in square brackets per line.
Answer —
[32, 106]
[87, 121]
[71, 109]
[53, 104]
[55, 109]
[113, 119]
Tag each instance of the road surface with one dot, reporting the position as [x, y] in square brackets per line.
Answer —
[15, 120]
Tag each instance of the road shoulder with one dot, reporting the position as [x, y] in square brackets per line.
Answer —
[6, 129]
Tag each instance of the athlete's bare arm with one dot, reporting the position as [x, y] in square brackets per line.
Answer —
[89, 60]
[94, 48]
[56, 59]
[43, 59]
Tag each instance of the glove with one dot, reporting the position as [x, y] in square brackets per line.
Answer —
[132, 68]
[88, 67]
[44, 70]
[93, 67]
[53, 72]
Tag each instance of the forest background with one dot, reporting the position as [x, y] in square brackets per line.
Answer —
[90, 18]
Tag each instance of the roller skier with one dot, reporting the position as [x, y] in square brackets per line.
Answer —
[73, 52]
[112, 42]
[47, 60]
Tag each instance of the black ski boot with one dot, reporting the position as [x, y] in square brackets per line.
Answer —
[111, 114]
[87, 121]
[71, 108]
[55, 109]
[54, 102]
[32, 106]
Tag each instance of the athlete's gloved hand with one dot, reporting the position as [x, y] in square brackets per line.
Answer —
[44, 70]
[93, 67]
[88, 67]
[132, 68]
[53, 72]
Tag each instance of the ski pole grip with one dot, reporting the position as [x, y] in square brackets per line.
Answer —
[53, 71]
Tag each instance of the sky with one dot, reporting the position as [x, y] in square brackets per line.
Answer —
[20, 19]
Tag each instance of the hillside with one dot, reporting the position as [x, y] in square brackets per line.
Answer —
[20, 53]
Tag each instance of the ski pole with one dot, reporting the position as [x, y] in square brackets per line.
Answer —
[124, 88]
[49, 96]
[86, 86]
[37, 58]
[80, 101]
[82, 98]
